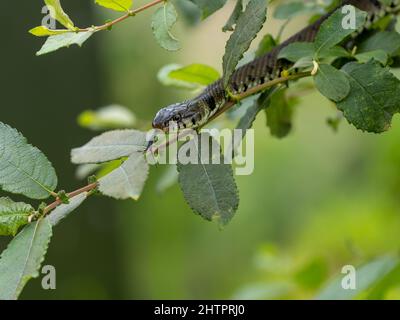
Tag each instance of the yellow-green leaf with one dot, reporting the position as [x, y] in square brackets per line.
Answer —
[196, 73]
[117, 5]
[110, 117]
[57, 12]
[43, 31]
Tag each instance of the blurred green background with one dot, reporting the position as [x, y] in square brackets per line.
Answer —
[316, 201]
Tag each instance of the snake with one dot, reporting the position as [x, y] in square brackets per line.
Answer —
[196, 112]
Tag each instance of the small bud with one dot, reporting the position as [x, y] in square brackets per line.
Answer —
[41, 208]
[62, 195]
[92, 179]
[285, 73]
[315, 69]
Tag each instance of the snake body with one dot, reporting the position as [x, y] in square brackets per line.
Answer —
[197, 111]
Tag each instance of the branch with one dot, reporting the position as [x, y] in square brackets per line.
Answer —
[128, 14]
[236, 98]
[72, 194]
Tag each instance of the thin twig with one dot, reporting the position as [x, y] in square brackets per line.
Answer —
[236, 98]
[72, 194]
[128, 14]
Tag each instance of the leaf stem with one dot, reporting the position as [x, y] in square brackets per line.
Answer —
[72, 194]
[128, 14]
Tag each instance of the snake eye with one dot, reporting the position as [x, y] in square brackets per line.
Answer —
[176, 118]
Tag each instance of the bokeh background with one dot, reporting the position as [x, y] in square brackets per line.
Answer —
[316, 201]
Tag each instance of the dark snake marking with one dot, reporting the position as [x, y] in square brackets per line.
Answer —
[196, 112]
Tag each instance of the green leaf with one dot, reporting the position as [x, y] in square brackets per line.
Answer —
[262, 102]
[385, 287]
[247, 27]
[117, 5]
[57, 12]
[63, 210]
[100, 170]
[367, 106]
[194, 76]
[247, 120]
[208, 7]
[332, 83]
[266, 44]
[388, 41]
[303, 63]
[289, 10]
[240, 108]
[110, 117]
[162, 22]
[23, 257]
[54, 43]
[378, 55]
[107, 167]
[127, 181]
[306, 50]
[195, 73]
[333, 53]
[237, 11]
[279, 113]
[166, 80]
[332, 32]
[367, 276]
[42, 31]
[13, 215]
[209, 189]
[109, 146]
[189, 11]
[85, 170]
[296, 51]
[24, 169]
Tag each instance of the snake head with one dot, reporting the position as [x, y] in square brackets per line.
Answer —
[188, 114]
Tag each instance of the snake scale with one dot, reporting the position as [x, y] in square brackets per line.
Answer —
[197, 111]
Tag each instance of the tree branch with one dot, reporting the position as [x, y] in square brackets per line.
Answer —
[72, 194]
[128, 14]
[236, 98]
